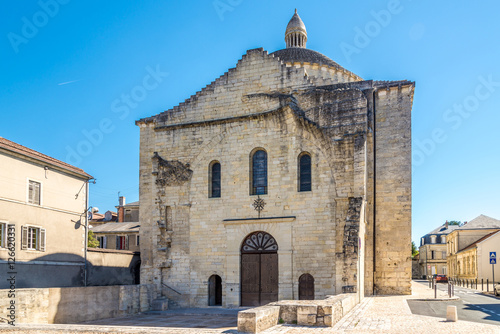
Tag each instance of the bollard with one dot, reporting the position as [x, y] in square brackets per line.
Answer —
[451, 313]
[449, 289]
[487, 285]
[482, 284]
[435, 291]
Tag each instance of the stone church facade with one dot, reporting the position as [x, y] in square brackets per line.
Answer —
[323, 155]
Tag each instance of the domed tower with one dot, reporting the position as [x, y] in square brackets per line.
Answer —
[296, 33]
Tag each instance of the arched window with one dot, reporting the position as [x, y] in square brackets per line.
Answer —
[258, 173]
[304, 172]
[214, 188]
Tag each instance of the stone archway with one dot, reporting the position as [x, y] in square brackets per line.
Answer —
[259, 269]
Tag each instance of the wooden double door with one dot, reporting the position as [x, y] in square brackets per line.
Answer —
[259, 270]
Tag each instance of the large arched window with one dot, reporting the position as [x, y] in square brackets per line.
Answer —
[214, 188]
[304, 172]
[258, 182]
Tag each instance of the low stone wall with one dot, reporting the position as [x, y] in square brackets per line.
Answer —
[258, 319]
[326, 312]
[75, 305]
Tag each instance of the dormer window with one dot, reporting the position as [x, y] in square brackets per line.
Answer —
[433, 239]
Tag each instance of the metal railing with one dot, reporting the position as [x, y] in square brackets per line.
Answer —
[177, 292]
[480, 285]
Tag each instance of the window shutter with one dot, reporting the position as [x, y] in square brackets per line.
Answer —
[42, 239]
[126, 242]
[37, 193]
[10, 227]
[104, 243]
[117, 242]
[24, 237]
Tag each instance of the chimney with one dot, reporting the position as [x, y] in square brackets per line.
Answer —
[446, 225]
[121, 213]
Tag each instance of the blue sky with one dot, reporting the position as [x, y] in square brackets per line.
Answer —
[75, 75]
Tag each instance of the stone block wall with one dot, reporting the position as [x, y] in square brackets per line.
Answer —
[360, 148]
[393, 189]
[75, 305]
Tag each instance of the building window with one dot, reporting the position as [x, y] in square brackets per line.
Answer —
[433, 239]
[3, 235]
[422, 241]
[102, 242]
[214, 180]
[443, 254]
[304, 172]
[137, 241]
[33, 238]
[443, 239]
[258, 174]
[122, 242]
[34, 192]
[432, 255]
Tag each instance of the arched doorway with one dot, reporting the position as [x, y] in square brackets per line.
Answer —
[306, 287]
[215, 291]
[259, 269]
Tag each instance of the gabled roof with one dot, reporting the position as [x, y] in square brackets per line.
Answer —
[44, 159]
[479, 241]
[117, 228]
[443, 230]
[481, 222]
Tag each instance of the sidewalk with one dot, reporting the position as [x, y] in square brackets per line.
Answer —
[381, 314]
[391, 314]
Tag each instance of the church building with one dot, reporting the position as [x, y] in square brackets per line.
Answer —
[288, 177]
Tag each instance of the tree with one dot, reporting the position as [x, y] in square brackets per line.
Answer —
[414, 250]
[454, 222]
[91, 240]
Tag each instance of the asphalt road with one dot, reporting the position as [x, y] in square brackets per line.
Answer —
[472, 306]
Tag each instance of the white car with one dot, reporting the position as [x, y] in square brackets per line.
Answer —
[497, 290]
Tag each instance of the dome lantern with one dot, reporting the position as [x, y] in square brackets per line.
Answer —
[296, 34]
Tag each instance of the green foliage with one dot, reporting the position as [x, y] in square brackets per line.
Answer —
[91, 240]
[281, 321]
[454, 222]
[414, 249]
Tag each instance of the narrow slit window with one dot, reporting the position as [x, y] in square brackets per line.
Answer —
[259, 173]
[305, 172]
[215, 182]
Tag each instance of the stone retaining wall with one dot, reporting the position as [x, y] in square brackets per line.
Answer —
[75, 305]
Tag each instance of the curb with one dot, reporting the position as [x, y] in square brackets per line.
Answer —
[435, 299]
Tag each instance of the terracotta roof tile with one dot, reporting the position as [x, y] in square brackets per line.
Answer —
[20, 149]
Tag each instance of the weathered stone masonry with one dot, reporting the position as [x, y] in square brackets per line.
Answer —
[351, 232]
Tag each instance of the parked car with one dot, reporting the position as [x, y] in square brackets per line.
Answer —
[497, 290]
[441, 279]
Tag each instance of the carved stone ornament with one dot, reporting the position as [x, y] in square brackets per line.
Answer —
[170, 173]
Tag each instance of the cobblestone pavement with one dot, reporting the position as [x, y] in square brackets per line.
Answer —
[391, 314]
[381, 314]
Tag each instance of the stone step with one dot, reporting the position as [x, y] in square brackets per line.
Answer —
[160, 304]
